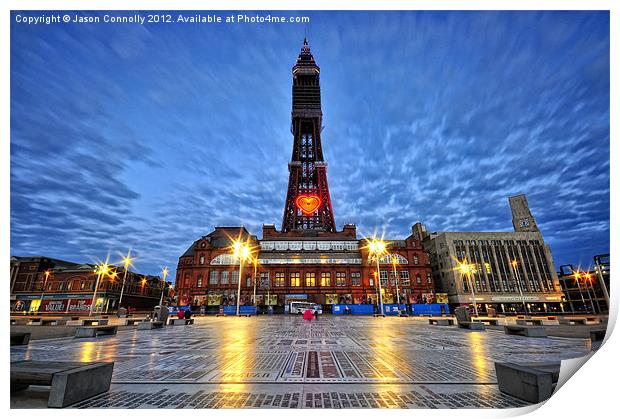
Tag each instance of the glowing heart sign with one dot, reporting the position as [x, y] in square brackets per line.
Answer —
[308, 203]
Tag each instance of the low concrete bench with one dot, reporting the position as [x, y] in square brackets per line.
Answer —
[597, 335]
[70, 382]
[94, 331]
[93, 322]
[472, 325]
[532, 382]
[19, 322]
[582, 320]
[545, 322]
[441, 321]
[177, 322]
[378, 315]
[48, 322]
[146, 325]
[20, 338]
[487, 320]
[132, 322]
[529, 331]
[464, 320]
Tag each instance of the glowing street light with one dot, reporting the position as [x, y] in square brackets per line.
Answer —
[47, 274]
[164, 272]
[101, 270]
[241, 250]
[587, 277]
[467, 270]
[255, 260]
[577, 279]
[514, 264]
[394, 263]
[127, 262]
[377, 248]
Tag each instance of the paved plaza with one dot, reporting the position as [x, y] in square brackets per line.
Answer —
[288, 362]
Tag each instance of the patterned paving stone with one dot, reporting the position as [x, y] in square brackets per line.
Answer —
[288, 362]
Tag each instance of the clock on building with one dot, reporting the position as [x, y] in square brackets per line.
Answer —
[524, 222]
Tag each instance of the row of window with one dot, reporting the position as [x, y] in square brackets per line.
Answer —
[311, 279]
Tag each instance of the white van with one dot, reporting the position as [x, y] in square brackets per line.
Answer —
[298, 307]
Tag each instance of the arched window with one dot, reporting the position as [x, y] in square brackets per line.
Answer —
[387, 259]
[224, 259]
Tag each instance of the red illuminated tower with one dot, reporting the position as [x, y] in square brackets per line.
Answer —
[308, 205]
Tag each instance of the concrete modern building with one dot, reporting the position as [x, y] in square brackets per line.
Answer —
[512, 272]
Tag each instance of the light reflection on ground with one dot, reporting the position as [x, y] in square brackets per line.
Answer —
[290, 362]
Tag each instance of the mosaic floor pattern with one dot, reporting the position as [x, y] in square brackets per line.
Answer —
[288, 362]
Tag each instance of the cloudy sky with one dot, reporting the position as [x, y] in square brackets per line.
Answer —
[148, 136]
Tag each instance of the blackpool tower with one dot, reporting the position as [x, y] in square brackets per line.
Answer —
[308, 205]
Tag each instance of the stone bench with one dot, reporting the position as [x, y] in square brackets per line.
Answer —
[132, 322]
[597, 335]
[48, 322]
[378, 315]
[441, 321]
[19, 322]
[546, 322]
[487, 320]
[93, 322]
[532, 382]
[70, 382]
[581, 320]
[146, 325]
[538, 322]
[177, 322]
[529, 331]
[94, 331]
[472, 325]
[34, 320]
[20, 338]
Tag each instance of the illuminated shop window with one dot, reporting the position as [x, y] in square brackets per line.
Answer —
[279, 279]
[326, 279]
[295, 279]
[341, 279]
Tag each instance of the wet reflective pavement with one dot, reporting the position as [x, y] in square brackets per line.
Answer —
[288, 362]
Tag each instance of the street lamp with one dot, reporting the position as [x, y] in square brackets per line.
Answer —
[514, 268]
[578, 280]
[255, 260]
[394, 263]
[164, 272]
[377, 248]
[241, 251]
[127, 262]
[468, 269]
[588, 277]
[47, 274]
[101, 270]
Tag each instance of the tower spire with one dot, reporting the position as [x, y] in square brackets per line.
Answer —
[308, 204]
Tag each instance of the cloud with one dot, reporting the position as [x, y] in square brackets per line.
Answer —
[148, 137]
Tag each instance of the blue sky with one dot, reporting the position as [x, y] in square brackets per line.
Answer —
[148, 136]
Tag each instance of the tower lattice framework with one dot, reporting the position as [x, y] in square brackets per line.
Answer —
[308, 204]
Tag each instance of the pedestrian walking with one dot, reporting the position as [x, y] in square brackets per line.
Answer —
[188, 314]
[181, 313]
